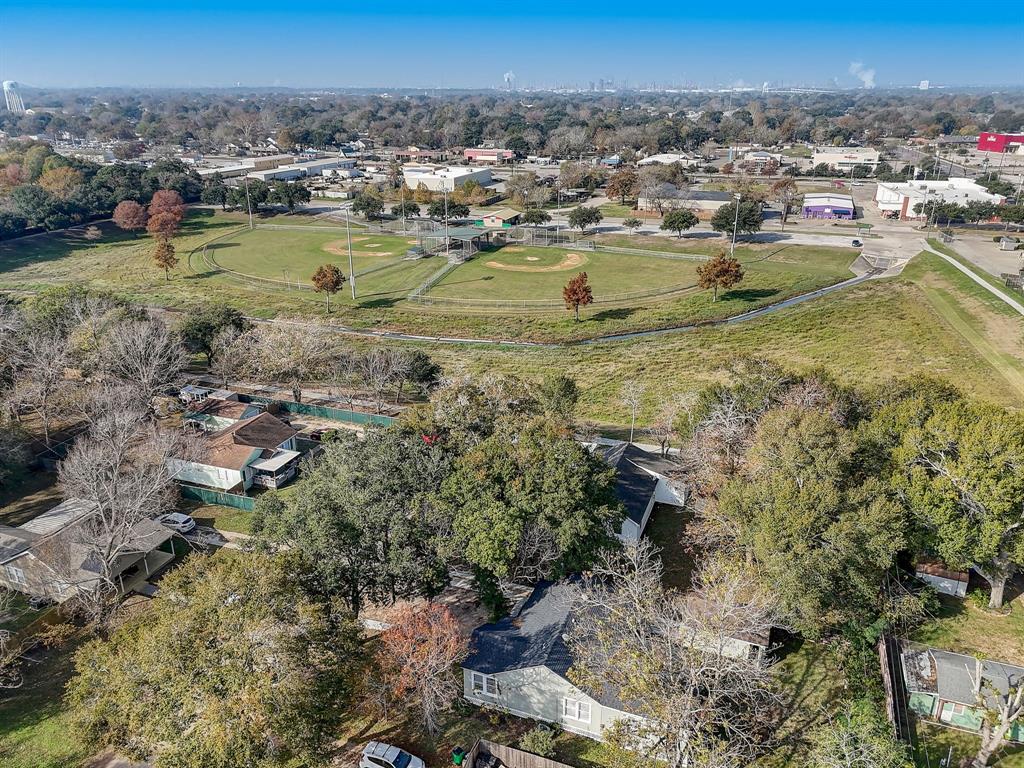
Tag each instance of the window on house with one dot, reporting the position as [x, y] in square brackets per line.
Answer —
[16, 575]
[951, 710]
[485, 684]
[574, 709]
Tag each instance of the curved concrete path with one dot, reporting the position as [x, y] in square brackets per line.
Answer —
[610, 337]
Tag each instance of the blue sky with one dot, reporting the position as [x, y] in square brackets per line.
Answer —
[463, 44]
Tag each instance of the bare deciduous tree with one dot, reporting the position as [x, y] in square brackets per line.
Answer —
[632, 397]
[41, 385]
[228, 353]
[672, 659]
[122, 465]
[144, 354]
[292, 353]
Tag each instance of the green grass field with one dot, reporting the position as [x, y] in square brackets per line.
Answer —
[515, 272]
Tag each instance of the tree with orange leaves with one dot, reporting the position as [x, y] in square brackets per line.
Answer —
[417, 660]
[578, 293]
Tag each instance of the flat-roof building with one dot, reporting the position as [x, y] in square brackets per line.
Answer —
[488, 155]
[1001, 142]
[438, 178]
[828, 205]
[897, 200]
[846, 158]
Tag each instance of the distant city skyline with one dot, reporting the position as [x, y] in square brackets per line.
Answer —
[531, 45]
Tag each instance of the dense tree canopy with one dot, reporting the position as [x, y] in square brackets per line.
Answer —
[234, 663]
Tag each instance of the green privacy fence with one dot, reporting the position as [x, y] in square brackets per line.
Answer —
[327, 412]
[210, 496]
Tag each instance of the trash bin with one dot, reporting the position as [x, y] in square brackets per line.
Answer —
[458, 756]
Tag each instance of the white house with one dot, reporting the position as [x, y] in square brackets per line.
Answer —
[520, 665]
[642, 479]
[259, 450]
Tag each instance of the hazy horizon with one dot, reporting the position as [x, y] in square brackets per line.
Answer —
[110, 43]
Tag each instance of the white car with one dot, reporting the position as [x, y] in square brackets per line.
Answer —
[379, 755]
[177, 522]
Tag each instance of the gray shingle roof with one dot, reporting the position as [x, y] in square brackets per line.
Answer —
[633, 486]
[534, 638]
[951, 675]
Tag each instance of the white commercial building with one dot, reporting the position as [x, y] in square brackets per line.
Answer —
[897, 200]
[845, 158]
[438, 178]
[301, 170]
[667, 158]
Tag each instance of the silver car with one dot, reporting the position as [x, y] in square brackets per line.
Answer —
[379, 755]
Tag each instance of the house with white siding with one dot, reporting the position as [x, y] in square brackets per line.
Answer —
[520, 665]
[258, 450]
[642, 479]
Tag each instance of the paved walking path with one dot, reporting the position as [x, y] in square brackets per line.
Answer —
[1013, 303]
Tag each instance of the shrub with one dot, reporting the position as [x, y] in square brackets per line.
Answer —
[539, 741]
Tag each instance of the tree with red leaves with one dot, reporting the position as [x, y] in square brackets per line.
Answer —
[167, 201]
[577, 293]
[130, 216]
[417, 660]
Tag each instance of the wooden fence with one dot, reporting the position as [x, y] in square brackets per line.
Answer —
[509, 756]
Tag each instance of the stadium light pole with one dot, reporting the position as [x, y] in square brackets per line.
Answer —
[248, 202]
[351, 269]
[447, 242]
[735, 224]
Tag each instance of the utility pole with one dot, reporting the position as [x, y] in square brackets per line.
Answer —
[248, 202]
[447, 242]
[351, 269]
[402, 193]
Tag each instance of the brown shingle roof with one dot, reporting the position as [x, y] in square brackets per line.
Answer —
[233, 447]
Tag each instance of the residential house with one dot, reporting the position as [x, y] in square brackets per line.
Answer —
[950, 687]
[520, 665]
[213, 415]
[642, 479]
[53, 556]
[257, 450]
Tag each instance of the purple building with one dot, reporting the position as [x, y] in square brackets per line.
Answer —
[828, 205]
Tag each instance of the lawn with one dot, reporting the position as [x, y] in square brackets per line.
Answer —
[964, 627]
[517, 272]
[28, 496]
[293, 255]
[813, 685]
[936, 743]
[35, 729]
[667, 530]
[216, 516]
[617, 210]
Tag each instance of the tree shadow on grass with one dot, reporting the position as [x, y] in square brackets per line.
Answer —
[382, 302]
[620, 313]
[219, 246]
[750, 294]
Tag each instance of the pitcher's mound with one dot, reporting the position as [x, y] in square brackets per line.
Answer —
[571, 261]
